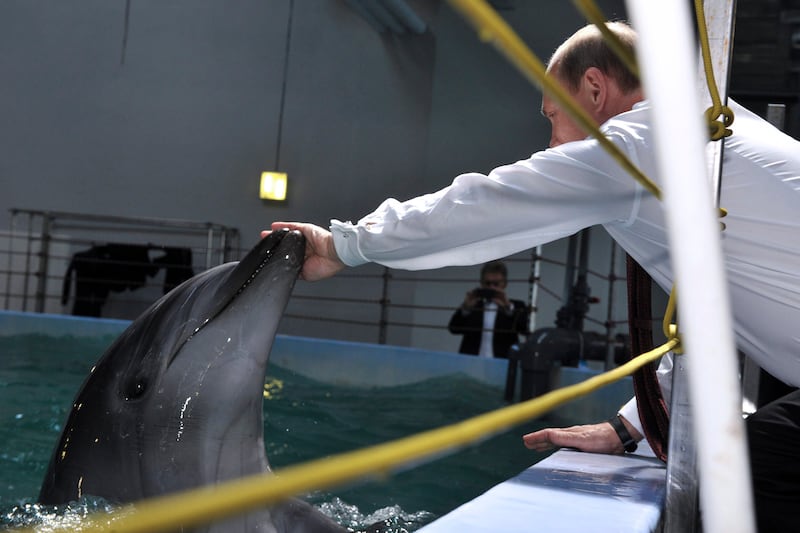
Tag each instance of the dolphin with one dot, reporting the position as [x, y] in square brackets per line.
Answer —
[176, 401]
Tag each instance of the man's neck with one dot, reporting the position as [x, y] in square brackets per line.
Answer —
[626, 102]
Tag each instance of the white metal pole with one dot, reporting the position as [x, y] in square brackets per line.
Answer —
[667, 59]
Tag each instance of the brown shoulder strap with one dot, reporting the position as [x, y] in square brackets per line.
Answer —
[652, 407]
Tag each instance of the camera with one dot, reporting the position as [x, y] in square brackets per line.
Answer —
[486, 294]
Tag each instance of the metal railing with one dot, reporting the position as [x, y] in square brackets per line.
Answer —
[370, 303]
[43, 248]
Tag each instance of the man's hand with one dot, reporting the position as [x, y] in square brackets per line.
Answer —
[501, 299]
[471, 300]
[597, 438]
[321, 260]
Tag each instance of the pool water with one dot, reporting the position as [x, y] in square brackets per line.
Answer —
[304, 420]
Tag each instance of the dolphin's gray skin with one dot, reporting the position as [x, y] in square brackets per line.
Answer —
[176, 401]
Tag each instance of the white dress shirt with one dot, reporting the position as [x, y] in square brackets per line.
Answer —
[559, 191]
[487, 335]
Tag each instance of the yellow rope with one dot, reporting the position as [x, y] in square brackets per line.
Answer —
[211, 503]
[671, 328]
[492, 28]
[718, 129]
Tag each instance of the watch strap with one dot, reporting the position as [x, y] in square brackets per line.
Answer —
[628, 442]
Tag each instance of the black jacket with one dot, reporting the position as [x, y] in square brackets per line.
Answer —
[508, 326]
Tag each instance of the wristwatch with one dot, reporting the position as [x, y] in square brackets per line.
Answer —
[624, 435]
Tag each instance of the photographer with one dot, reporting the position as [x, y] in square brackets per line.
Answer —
[488, 320]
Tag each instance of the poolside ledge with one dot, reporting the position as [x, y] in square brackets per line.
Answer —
[569, 491]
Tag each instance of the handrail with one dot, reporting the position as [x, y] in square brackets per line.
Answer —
[145, 221]
[376, 301]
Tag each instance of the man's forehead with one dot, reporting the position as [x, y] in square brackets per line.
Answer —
[547, 106]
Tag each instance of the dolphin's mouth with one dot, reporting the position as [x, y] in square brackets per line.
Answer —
[254, 275]
[239, 279]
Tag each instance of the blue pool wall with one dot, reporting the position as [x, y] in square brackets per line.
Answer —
[353, 364]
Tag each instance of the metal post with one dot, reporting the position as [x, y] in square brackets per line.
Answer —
[720, 21]
[209, 244]
[680, 510]
[534, 281]
[581, 290]
[223, 245]
[569, 273]
[610, 325]
[26, 277]
[384, 320]
[11, 237]
[776, 115]
[41, 271]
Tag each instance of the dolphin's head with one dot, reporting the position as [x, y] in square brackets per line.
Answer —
[176, 401]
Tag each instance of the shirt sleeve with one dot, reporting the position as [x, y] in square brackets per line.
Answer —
[551, 195]
[664, 374]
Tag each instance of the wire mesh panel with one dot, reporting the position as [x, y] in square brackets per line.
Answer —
[109, 266]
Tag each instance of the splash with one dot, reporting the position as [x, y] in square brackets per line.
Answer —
[390, 519]
[51, 518]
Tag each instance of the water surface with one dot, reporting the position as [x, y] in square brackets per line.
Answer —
[304, 420]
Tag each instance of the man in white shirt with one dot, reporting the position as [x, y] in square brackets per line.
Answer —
[574, 185]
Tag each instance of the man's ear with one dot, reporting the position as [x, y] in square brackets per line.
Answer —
[595, 85]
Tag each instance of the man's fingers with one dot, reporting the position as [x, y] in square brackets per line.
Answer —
[277, 226]
[287, 225]
[598, 438]
[546, 439]
[538, 440]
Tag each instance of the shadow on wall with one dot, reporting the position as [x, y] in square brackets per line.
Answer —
[115, 267]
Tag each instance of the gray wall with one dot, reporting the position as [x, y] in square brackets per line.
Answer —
[171, 109]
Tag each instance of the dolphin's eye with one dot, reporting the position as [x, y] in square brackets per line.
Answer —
[135, 388]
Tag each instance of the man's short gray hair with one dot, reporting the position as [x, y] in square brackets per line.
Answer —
[587, 48]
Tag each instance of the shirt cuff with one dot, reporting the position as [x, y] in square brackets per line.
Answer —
[630, 411]
[345, 240]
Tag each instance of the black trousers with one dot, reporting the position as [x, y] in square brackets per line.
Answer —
[773, 433]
